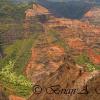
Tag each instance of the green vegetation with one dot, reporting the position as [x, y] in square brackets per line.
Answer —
[12, 72]
[11, 11]
[20, 85]
[17, 53]
[11, 21]
[57, 39]
[90, 67]
[82, 59]
[13, 64]
[20, 52]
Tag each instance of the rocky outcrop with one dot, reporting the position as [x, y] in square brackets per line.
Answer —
[93, 16]
[76, 43]
[88, 33]
[69, 82]
[36, 10]
[43, 62]
[95, 58]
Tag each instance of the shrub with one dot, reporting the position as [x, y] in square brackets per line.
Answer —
[20, 84]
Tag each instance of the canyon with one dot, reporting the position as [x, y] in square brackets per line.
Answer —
[65, 52]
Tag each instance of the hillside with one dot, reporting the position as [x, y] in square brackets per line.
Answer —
[43, 49]
[64, 85]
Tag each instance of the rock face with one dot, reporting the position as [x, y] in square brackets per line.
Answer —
[69, 82]
[76, 43]
[43, 62]
[76, 29]
[94, 57]
[51, 66]
[93, 16]
[36, 10]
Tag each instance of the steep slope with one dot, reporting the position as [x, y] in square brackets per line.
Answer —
[45, 57]
[69, 82]
[36, 10]
[67, 34]
[51, 60]
[68, 29]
